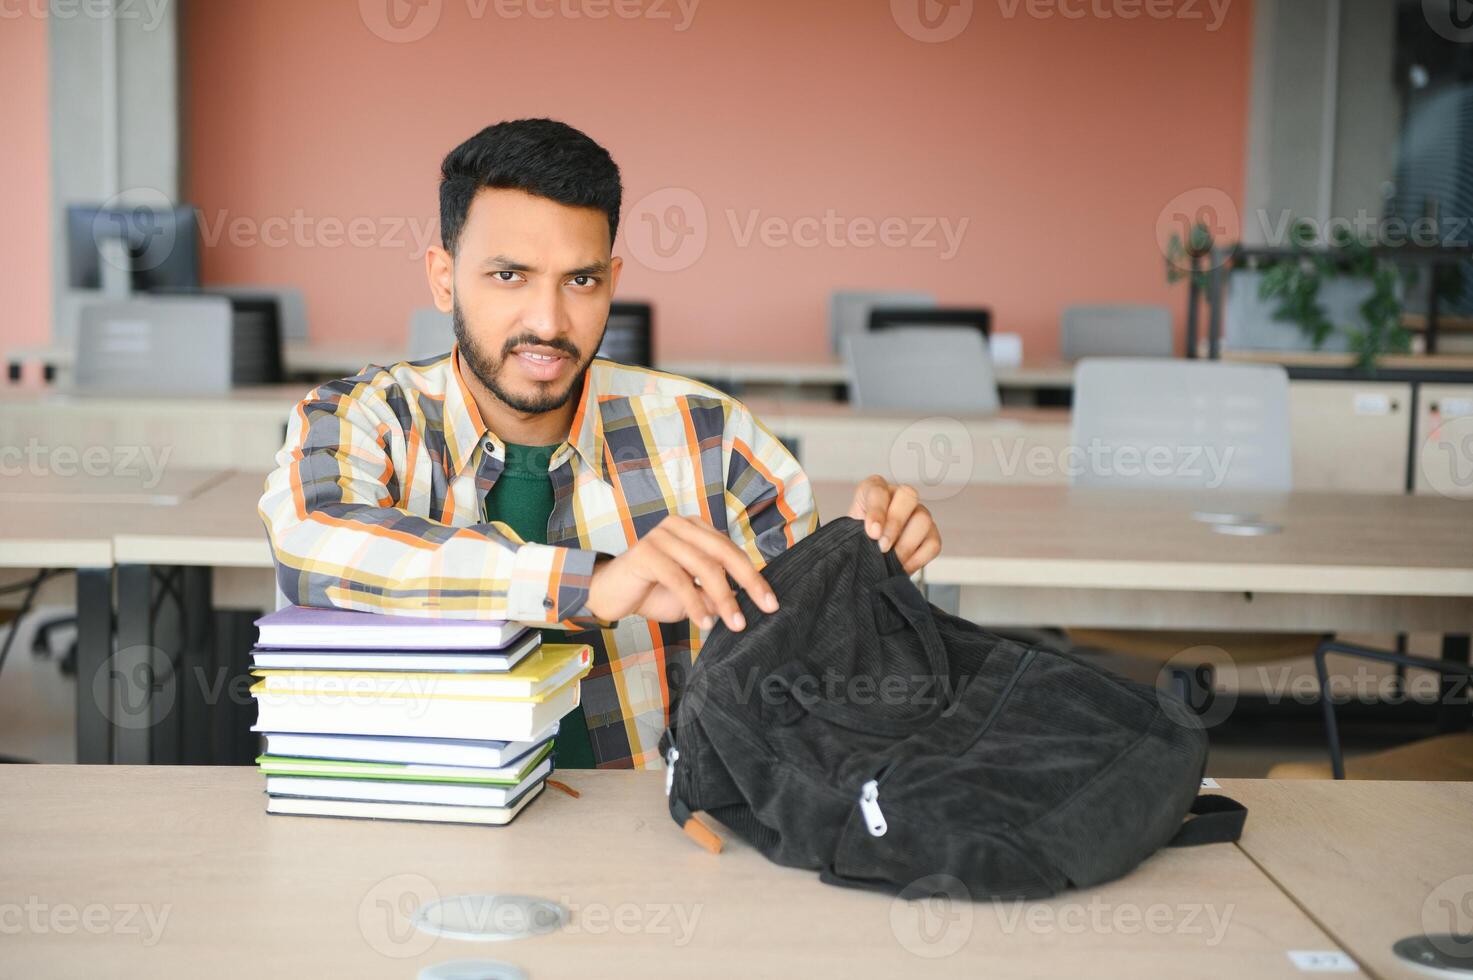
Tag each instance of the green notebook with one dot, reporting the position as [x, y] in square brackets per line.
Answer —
[280, 765]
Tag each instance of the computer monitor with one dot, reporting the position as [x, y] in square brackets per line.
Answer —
[146, 247]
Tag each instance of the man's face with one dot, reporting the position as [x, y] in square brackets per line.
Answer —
[533, 280]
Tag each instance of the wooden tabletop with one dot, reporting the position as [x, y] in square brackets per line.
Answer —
[1331, 543]
[1372, 862]
[181, 873]
[70, 521]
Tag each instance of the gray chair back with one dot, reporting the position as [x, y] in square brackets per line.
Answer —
[849, 310]
[1115, 331]
[921, 369]
[1177, 424]
[430, 333]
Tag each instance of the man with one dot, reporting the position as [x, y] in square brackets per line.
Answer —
[518, 478]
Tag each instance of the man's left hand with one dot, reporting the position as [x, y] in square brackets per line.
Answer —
[894, 516]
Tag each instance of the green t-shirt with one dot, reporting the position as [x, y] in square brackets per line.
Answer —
[522, 498]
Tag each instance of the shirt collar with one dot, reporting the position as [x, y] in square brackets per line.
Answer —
[464, 427]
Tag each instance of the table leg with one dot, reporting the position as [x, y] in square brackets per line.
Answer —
[1452, 711]
[134, 707]
[94, 669]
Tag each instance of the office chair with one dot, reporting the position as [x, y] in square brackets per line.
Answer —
[1115, 331]
[890, 317]
[1231, 412]
[849, 310]
[1441, 757]
[629, 334]
[257, 316]
[431, 333]
[291, 305]
[921, 369]
[178, 345]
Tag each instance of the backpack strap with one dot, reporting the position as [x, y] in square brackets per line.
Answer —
[1215, 820]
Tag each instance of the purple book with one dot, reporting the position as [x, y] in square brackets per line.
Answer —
[302, 627]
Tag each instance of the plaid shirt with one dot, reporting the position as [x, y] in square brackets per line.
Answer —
[377, 504]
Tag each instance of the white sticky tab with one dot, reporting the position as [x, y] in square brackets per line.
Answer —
[1209, 783]
[1372, 403]
[1322, 961]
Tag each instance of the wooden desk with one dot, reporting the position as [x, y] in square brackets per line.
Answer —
[826, 371]
[52, 521]
[233, 892]
[1371, 862]
[1137, 558]
[241, 429]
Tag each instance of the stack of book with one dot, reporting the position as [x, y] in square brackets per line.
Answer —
[403, 718]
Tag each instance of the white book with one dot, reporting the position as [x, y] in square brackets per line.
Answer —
[396, 791]
[419, 812]
[403, 750]
[416, 716]
[343, 629]
[410, 660]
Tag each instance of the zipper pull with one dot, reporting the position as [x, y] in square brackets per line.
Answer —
[671, 755]
[869, 806]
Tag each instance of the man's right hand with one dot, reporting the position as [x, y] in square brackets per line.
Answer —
[678, 571]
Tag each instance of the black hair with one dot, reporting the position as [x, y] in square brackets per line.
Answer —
[540, 156]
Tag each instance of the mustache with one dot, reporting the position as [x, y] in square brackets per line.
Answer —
[532, 340]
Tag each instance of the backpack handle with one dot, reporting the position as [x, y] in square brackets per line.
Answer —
[900, 593]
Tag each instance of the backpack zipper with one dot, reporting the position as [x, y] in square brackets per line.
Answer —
[869, 792]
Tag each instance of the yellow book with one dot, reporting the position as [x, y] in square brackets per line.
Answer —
[538, 675]
[413, 716]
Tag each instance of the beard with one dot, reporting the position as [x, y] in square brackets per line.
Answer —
[487, 368]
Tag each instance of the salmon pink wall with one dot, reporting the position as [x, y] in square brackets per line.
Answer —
[780, 149]
[25, 182]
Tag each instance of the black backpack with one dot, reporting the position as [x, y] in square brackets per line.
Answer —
[861, 732]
